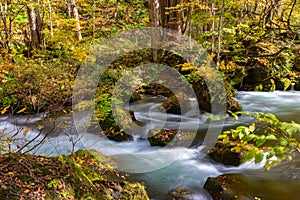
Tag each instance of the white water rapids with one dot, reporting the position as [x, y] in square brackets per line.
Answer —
[177, 166]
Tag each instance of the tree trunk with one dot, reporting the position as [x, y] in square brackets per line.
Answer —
[69, 8]
[219, 32]
[5, 38]
[50, 16]
[75, 15]
[176, 19]
[160, 16]
[154, 20]
[35, 23]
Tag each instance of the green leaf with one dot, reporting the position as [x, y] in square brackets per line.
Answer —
[252, 128]
[270, 154]
[241, 135]
[259, 157]
[271, 137]
[248, 138]
[208, 120]
[250, 155]
[283, 142]
[260, 141]
[234, 133]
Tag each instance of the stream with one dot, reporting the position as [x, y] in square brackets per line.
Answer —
[163, 169]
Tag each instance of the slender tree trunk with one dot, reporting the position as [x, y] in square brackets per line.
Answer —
[219, 32]
[69, 8]
[117, 9]
[50, 16]
[212, 11]
[3, 13]
[154, 13]
[75, 15]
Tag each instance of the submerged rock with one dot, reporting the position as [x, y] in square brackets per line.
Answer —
[184, 193]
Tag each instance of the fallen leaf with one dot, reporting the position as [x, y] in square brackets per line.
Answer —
[22, 110]
[26, 131]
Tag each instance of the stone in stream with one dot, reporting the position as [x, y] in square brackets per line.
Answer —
[171, 137]
[223, 154]
[242, 187]
[174, 103]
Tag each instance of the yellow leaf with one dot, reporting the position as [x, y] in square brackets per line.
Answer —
[26, 131]
[4, 71]
[4, 81]
[4, 110]
[26, 191]
[5, 143]
[22, 110]
[40, 127]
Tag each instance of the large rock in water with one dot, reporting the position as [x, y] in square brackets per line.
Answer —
[179, 104]
[222, 102]
[172, 137]
[223, 154]
[239, 187]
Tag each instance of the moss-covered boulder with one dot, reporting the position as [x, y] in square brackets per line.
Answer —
[112, 130]
[172, 105]
[239, 187]
[223, 101]
[224, 154]
[161, 137]
[297, 83]
[227, 187]
[135, 97]
[171, 137]
[82, 175]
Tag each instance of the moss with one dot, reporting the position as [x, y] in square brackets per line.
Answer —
[161, 137]
[222, 154]
[135, 97]
[82, 175]
[172, 105]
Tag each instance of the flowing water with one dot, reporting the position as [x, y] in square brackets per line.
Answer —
[163, 169]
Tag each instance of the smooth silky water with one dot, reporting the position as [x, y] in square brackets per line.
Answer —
[178, 166]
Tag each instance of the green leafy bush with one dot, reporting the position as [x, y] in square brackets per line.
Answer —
[267, 135]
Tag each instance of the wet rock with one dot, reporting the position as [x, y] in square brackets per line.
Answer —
[227, 187]
[112, 130]
[223, 102]
[251, 187]
[172, 137]
[297, 84]
[161, 137]
[177, 104]
[222, 154]
[155, 90]
[135, 97]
